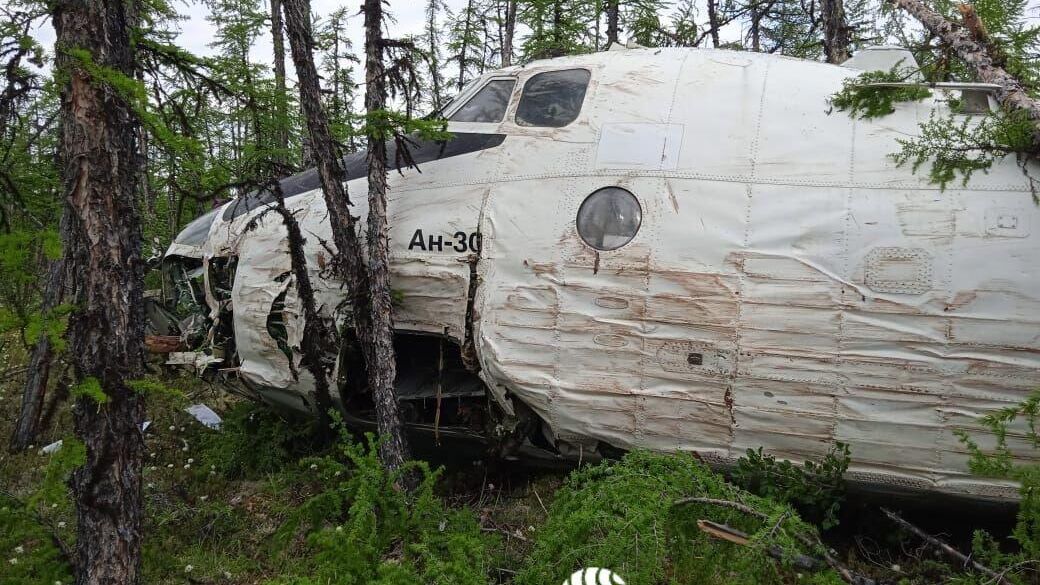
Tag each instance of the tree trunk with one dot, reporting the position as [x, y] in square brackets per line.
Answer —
[713, 22]
[835, 31]
[38, 374]
[612, 22]
[756, 29]
[382, 368]
[979, 56]
[308, 158]
[433, 54]
[373, 341]
[466, 30]
[510, 31]
[101, 179]
[317, 337]
[328, 159]
[281, 95]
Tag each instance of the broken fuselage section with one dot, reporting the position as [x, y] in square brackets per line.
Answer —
[673, 249]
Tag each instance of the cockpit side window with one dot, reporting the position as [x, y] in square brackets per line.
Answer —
[489, 104]
[552, 99]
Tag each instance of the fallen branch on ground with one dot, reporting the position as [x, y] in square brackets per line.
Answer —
[809, 542]
[730, 534]
[948, 550]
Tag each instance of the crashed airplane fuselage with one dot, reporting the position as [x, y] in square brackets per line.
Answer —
[672, 249]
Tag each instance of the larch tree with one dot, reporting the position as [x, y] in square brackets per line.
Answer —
[98, 157]
[380, 358]
[370, 303]
[464, 41]
[337, 64]
[972, 43]
[557, 28]
[835, 31]
[281, 97]
[23, 176]
[432, 38]
[613, 14]
[507, 29]
[713, 22]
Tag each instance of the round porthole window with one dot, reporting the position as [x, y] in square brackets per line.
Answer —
[609, 218]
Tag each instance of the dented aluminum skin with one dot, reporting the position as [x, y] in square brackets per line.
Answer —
[789, 287]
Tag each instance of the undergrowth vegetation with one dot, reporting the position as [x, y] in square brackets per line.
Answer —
[815, 489]
[1020, 422]
[264, 500]
[636, 516]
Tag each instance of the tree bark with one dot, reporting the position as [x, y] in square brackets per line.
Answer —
[509, 33]
[38, 374]
[557, 33]
[100, 176]
[371, 321]
[281, 94]
[713, 22]
[317, 337]
[433, 54]
[382, 367]
[835, 31]
[466, 30]
[611, 8]
[980, 57]
[756, 29]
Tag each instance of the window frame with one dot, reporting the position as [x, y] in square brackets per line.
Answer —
[472, 92]
[518, 97]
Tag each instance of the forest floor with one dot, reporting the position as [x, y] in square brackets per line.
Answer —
[224, 506]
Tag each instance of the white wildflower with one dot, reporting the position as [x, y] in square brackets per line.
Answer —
[13, 561]
[339, 529]
[314, 466]
[61, 524]
[187, 466]
[188, 568]
[19, 550]
[203, 498]
[190, 460]
[169, 466]
[173, 428]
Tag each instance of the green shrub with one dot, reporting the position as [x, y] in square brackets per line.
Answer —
[254, 441]
[623, 516]
[30, 530]
[862, 99]
[816, 490]
[364, 529]
[30, 555]
[1021, 565]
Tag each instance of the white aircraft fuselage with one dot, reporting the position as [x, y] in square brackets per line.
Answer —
[751, 269]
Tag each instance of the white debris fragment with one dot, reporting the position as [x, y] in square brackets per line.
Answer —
[204, 415]
[145, 425]
[52, 448]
